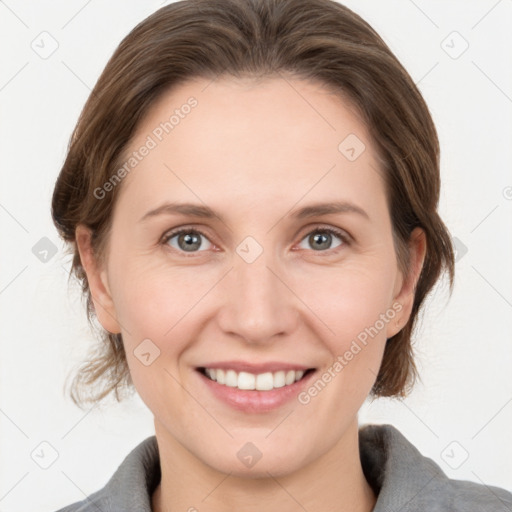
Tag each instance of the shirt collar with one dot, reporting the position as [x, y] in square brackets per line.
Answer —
[402, 479]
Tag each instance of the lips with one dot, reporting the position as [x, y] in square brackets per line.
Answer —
[255, 368]
[259, 377]
[258, 390]
[250, 381]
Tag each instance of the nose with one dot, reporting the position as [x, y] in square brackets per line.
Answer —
[259, 304]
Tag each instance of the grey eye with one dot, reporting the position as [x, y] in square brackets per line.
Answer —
[322, 239]
[186, 240]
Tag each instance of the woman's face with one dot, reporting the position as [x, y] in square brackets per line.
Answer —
[265, 277]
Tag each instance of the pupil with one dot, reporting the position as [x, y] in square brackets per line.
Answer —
[191, 241]
[321, 237]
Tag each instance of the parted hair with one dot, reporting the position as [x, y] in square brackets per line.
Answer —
[318, 40]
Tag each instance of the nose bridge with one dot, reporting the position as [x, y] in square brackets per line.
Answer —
[258, 305]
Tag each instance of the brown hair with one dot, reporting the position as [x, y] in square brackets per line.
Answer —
[319, 40]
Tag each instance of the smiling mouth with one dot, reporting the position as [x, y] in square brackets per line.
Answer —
[250, 381]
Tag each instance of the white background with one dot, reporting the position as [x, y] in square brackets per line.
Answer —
[463, 346]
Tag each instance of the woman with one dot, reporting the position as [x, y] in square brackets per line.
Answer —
[251, 197]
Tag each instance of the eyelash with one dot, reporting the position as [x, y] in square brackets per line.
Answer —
[340, 234]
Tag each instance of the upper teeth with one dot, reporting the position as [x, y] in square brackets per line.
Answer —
[260, 382]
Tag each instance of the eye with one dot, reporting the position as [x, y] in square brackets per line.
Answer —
[187, 240]
[191, 240]
[320, 239]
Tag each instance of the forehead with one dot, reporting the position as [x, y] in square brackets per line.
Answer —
[262, 138]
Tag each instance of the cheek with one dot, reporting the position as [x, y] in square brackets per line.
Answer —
[151, 298]
[156, 310]
[350, 301]
[352, 308]
[160, 310]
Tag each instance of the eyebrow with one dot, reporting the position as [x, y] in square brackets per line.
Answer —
[312, 210]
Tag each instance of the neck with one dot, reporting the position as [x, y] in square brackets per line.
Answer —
[334, 481]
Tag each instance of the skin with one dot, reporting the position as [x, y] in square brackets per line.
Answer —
[254, 152]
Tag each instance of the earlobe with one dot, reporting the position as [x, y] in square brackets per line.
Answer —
[406, 293]
[97, 278]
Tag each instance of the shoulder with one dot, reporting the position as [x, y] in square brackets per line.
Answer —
[406, 480]
[131, 486]
[95, 502]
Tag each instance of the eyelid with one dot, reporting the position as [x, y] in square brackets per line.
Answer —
[183, 229]
[343, 234]
[346, 239]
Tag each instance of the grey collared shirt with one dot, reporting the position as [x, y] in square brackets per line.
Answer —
[402, 478]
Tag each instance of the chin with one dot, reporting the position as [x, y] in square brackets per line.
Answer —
[249, 462]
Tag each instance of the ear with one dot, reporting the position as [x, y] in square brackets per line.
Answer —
[98, 282]
[405, 288]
